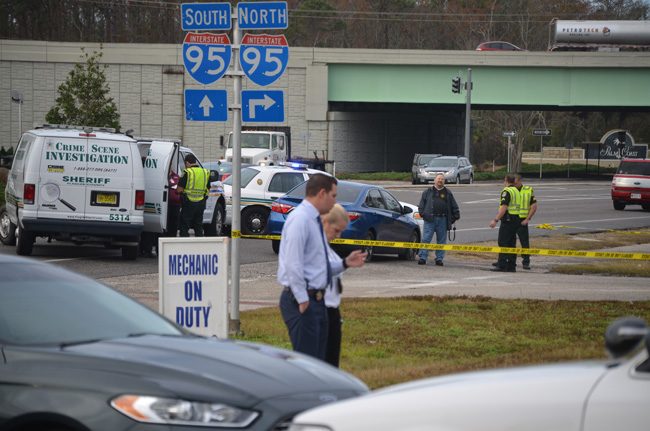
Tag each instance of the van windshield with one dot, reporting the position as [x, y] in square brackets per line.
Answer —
[252, 140]
[634, 168]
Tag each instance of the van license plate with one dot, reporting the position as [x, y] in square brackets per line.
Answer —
[635, 196]
[107, 198]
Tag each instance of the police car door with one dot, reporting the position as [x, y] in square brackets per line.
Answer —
[110, 187]
[63, 174]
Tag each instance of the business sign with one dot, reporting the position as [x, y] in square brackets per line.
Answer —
[205, 16]
[264, 57]
[541, 132]
[206, 56]
[206, 105]
[193, 283]
[262, 15]
[617, 144]
[262, 106]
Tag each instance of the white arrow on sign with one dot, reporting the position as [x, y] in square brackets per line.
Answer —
[267, 102]
[206, 105]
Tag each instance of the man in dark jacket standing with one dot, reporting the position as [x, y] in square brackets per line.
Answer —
[440, 211]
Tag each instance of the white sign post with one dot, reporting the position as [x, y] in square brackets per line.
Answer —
[193, 283]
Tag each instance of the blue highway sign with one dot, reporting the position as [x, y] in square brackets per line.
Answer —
[262, 15]
[262, 106]
[206, 105]
[264, 57]
[206, 56]
[205, 16]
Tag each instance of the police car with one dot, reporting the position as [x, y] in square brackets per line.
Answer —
[260, 186]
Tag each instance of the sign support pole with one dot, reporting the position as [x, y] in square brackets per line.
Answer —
[468, 110]
[541, 155]
[509, 154]
[236, 181]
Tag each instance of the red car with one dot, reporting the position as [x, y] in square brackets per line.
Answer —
[498, 46]
[631, 184]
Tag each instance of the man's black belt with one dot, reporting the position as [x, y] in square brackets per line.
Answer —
[317, 294]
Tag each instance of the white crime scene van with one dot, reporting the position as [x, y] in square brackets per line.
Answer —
[74, 183]
[164, 157]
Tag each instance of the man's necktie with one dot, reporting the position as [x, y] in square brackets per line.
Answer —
[327, 260]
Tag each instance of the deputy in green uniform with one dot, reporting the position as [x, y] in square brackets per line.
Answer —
[508, 215]
[194, 186]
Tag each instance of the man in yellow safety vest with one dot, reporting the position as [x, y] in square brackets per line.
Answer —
[527, 209]
[508, 214]
[194, 187]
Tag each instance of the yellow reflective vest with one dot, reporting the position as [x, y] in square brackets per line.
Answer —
[526, 194]
[196, 186]
[515, 200]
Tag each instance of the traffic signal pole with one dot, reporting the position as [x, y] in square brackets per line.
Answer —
[468, 110]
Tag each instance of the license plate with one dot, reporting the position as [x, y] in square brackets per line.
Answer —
[107, 198]
[635, 196]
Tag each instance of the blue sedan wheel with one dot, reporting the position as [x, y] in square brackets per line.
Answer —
[410, 253]
[369, 249]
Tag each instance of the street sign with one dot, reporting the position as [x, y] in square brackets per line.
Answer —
[205, 16]
[541, 132]
[509, 134]
[262, 106]
[264, 57]
[206, 56]
[262, 15]
[206, 105]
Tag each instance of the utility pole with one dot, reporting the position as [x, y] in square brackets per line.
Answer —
[468, 109]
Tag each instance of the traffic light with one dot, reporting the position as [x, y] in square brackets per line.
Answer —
[455, 85]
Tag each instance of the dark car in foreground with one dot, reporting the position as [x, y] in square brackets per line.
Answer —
[374, 214]
[78, 356]
[631, 184]
[594, 395]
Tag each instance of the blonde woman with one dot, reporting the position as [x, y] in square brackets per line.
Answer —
[334, 223]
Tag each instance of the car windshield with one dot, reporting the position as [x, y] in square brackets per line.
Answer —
[441, 163]
[43, 304]
[344, 192]
[222, 168]
[247, 174]
[426, 159]
[252, 140]
[634, 168]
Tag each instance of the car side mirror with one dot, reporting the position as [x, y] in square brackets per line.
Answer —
[407, 210]
[214, 176]
[624, 335]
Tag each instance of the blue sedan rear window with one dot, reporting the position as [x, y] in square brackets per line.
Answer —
[344, 192]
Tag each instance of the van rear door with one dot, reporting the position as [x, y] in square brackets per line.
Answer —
[60, 192]
[159, 156]
[109, 180]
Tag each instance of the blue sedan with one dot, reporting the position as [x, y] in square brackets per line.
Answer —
[374, 214]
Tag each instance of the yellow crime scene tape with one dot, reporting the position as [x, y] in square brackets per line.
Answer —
[472, 248]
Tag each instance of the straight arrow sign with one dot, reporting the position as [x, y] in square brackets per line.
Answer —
[206, 105]
[262, 106]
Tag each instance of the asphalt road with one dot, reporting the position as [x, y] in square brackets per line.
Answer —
[571, 206]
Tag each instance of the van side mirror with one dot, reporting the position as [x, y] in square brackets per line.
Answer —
[221, 141]
[624, 335]
[281, 145]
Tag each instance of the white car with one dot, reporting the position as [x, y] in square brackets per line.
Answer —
[260, 186]
[415, 215]
[580, 396]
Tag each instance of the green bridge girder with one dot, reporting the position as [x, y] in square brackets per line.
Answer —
[535, 87]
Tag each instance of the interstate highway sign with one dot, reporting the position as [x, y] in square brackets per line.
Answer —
[541, 132]
[206, 56]
[264, 57]
[205, 16]
[206, 105]
[262, 106]
[262, 15]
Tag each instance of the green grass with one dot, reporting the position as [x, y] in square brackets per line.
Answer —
[392, 340]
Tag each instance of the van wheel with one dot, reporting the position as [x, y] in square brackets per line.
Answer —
[471, 179]
[619, 206]
[7, 228]
[24, 242]
[130, 252]
[254, 219]
[216, 228]
[457, 179]
[275, 245]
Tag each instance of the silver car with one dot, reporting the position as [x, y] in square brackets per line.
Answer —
[455, 169]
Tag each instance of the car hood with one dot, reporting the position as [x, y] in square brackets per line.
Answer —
[531, 398]
[192, 367]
